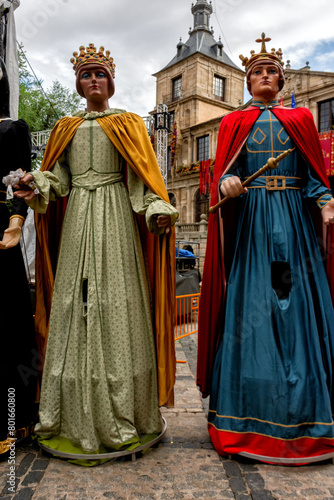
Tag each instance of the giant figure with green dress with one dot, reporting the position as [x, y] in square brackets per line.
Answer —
[106, 257]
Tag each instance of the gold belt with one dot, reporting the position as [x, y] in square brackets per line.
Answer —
[275, 182]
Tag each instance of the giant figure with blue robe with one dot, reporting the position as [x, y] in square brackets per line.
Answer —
[266, 325]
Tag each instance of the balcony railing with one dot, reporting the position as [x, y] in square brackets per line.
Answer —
[188, 227]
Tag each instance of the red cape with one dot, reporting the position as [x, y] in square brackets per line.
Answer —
[233, 133]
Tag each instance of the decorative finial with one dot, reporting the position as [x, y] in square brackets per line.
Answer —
[263, 54]
[263, 41]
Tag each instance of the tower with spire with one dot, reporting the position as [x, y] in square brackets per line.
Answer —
[201, 82]
[200, 85]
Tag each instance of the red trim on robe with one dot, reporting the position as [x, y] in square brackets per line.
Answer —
[233, 443]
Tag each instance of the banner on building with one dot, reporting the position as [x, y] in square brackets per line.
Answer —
[205, 177]
[327, 146]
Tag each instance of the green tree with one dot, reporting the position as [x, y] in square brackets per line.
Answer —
[41, 109]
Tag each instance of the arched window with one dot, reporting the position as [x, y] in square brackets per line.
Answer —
[172, 199]
[202, 205]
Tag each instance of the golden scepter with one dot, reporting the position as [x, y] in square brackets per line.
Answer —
[271, 164]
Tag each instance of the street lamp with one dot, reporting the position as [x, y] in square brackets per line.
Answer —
[161, 127]
[161, 119]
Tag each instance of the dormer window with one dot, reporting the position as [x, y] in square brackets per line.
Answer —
[179, 47]
[218, 48]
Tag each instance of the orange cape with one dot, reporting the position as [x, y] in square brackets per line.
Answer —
[128, 134]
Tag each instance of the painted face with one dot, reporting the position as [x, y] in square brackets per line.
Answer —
[264, 81]
[94, 83]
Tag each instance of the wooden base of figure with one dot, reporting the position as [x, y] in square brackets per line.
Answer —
[107, 456]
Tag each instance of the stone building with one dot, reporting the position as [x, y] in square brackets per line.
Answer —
[313, 90]
[199, 86]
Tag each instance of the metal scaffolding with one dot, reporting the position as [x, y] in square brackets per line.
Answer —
[162, 127]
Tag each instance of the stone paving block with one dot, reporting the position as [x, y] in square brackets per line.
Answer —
[310, 491]
[205, 439]
[112, 495]
[6, 490]
[262, 495]
[208, 446]
[4, 467]
[3, 472]
[207, 494]
[226, 494]
[25, 464]
[232, 469]
[33, 477]
[191, 445]
[255, 481]
[24, 494]
[40, 463]
[237, 485]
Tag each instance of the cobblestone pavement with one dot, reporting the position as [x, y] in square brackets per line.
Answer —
[183, 465]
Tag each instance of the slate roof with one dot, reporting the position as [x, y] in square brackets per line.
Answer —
[203, 42]
[201, 38]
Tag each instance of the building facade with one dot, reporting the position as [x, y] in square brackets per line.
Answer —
[199, 86]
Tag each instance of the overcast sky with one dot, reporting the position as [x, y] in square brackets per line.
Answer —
[142, 36]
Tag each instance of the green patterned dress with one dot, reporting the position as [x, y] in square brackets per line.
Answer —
[99, 388]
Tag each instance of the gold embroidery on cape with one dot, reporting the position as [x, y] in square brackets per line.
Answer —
[259, 131]
[279, 138]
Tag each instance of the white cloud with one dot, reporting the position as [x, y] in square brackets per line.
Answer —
[142, 36]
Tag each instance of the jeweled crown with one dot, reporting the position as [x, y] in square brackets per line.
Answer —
[91, 56]
[275, 56]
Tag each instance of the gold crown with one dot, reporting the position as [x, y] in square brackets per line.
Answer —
[91, 56]
[263, 54]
